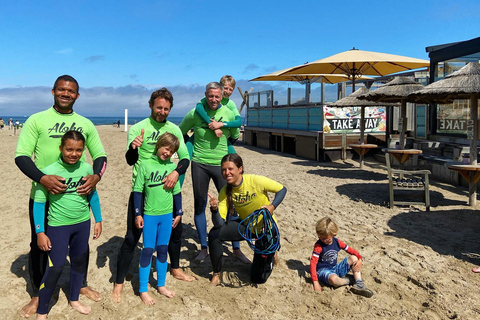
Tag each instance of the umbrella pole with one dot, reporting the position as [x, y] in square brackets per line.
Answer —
[472, 187]
[403, 129]
[362, 125]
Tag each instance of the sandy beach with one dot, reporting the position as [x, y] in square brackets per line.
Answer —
[417, 263]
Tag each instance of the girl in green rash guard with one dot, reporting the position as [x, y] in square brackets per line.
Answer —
[68, 223]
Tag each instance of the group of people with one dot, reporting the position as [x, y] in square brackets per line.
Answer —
[64, 191]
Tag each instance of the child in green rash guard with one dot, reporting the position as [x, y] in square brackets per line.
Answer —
[228, 83]
[157, 217]
[68, 223]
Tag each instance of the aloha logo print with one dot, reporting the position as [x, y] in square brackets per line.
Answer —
[59, 129]
[73, 185]
[156, 179]
[153, 138]
[242, 198]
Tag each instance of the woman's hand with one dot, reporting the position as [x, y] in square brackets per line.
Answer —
[213, 202]
[43, 242]
[139, 222]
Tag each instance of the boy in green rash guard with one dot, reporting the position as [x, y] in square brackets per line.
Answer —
[68, 223]
[208, 151]
[40, 138]
[228, 83]
[141, 141]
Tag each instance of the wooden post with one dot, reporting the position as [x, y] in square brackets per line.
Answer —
[344, 146]
[403, 129]
[472, 186]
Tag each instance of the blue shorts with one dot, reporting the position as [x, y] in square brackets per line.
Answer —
[341, 269]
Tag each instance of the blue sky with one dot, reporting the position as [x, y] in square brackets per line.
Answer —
[120, 51]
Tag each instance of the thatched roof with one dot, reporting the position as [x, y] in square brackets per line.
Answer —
[461, 84]
[353, 101]
[394, 91]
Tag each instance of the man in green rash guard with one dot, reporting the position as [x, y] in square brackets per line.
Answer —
[40, 138]
[141, 141]
[208, 151]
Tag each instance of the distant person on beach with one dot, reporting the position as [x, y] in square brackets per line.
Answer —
[236, 201]
[118, 124]
[208, 150]
[40, 138]
[141, 141]
[69, 223]
[2, 123]
[10, 124]
[154, 213]
[323, 263]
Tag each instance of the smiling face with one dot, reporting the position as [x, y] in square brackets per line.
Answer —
[227, 90]
[214, 97]
[232, 173]
[64, 95]
[160, 109]
[165, 152]
[72, 150]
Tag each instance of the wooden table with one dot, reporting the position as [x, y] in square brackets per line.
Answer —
[362, 149]
[402, 155]
[471, 173]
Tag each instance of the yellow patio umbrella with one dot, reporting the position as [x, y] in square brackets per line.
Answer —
[355, 63]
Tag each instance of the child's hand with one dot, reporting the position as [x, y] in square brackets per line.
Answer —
[43, 242]
[139, 222]
[214, 125]
[97, 230]
[218, 133]
[317, 286]
[176, 221]
[213, 202]
[357, 265]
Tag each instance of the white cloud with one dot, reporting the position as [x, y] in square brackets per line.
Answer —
[65, 51]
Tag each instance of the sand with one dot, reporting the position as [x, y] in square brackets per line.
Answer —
[417, 263]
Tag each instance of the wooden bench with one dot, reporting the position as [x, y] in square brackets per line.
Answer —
[407, 180]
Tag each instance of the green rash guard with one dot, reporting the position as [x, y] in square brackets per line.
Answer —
[225, 102]
[69, 207]
[151, 172]
[153, 130]
[42, 133]
[207, 148]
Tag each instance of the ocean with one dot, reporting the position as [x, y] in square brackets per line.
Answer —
[99, 120]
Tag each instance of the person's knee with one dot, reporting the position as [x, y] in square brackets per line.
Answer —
[146, 257]
[162, 252]
[352, 259]
[130, 241]
[334, 280]
[79, 263]
[54, 274]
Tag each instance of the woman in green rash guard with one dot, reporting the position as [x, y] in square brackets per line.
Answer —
[228, 84]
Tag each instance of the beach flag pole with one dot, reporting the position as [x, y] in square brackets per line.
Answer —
[126, 120]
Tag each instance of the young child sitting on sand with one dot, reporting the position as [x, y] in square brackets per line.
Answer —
[323, 263]
[156, 220]
[68, 223]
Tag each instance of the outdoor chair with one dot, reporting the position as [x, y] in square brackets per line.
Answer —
[409, 181]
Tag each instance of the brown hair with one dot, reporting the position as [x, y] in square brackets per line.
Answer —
[167, 140]
[237, 160]
[326, 227]
[228, 79]
[161, 93]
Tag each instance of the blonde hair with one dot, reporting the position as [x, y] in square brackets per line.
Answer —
[167, 140]
[326, 227]
[227, 79]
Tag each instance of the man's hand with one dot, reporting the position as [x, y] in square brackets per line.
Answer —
[213, 201]
[171, 180]
[89, 184]
[43, 242]
[176, 221]
[97, 230]
[269, 207]
[54, 184]
[214, 125]
[138, 141]
[139, 222]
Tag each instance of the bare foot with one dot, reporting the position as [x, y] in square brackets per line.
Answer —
[180, 275]
[237, 253]
[147, 299]
[91, 294]
[476, 270]
[30, 308]
[216, 279]
[41, 316]
[202, 255]
[116, 295]
[166, 292]
[83, 309]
